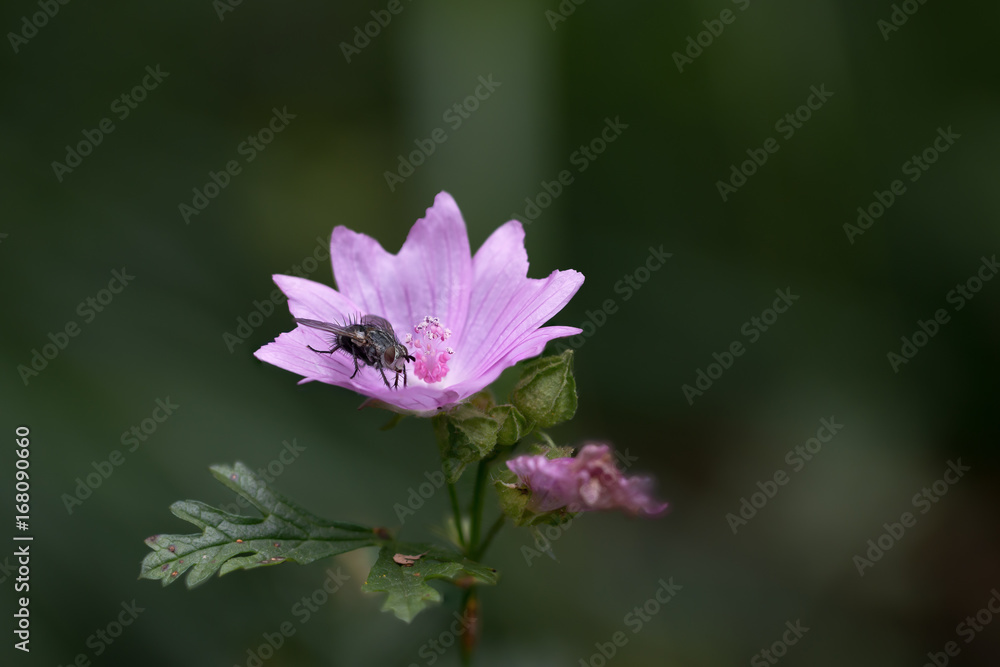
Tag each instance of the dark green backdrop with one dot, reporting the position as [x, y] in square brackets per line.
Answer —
[683, 126]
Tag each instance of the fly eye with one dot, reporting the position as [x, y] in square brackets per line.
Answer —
[389, 356]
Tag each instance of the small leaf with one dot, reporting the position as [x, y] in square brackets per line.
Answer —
[512, 424]
[546, 392]
[229, 542]
[407, 586]
[465, 435]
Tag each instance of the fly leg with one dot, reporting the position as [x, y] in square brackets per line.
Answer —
[381, 369]
[335, 348]
[357, 368]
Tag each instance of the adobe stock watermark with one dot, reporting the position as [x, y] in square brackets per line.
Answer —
[960, 295]
[432, 650]
[249, 149]
[102, 638]
[968, 629]
[122, 106]
[787, 125]
[246, 325]
[713, 29]
[289, 454]
[362, 38]
[915, 167]
[543, 542]
[923, 500]
[779, 648]
[416, 497]
[37, 21]
[752, 329]
[223, 7]
[635, 620]
[581, 158]
[562, 12]
[303, 610]
[455, 116]
[627, 286]
[898, 17]
[136, 436]
[87, 310]
[797, 459]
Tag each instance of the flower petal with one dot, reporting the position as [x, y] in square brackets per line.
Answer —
[525, 348]
[316, 301]
[587, 482]
[507, 307]
[550, 480]
[430, 275]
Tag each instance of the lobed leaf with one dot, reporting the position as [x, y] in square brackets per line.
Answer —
[406, 585]
[284, 533]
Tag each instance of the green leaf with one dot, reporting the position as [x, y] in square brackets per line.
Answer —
[512, 424]
[409, 593]
[465, 435]
[230, 542]
[546, 392]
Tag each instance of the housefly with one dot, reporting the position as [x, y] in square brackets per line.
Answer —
[370, 341]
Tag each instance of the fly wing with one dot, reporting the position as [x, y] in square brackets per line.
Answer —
[378, 323]
[332, 328]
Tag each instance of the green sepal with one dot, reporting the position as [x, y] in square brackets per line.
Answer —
[285, 533]
[546, 392]
[512, 425]
[465, 435]
[482, 400]
[409, 592]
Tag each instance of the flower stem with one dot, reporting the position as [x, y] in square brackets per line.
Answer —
[494, 529]
[470, 614]
[476, 511]
[458, 515]
[470, 601]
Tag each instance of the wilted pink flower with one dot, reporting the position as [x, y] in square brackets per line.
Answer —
[588, 481]
[464, 318]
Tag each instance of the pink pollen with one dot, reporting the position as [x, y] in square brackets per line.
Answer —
[432, 361]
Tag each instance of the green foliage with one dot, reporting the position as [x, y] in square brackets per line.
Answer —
[465, 435]
[409, 593]
[544, 396]
[284, 532]
[546, 392]
[511, 424]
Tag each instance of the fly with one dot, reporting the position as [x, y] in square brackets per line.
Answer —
[370, 341]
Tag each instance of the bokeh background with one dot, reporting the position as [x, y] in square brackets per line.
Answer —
[561, 76]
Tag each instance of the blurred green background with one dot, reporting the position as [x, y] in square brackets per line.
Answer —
[162, 337]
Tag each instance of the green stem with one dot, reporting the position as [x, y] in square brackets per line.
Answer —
[470, 601]
[458, 515]
[476, 511]
[494, 529]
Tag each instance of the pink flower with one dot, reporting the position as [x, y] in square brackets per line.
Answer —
[589, 481]
[465, 319]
